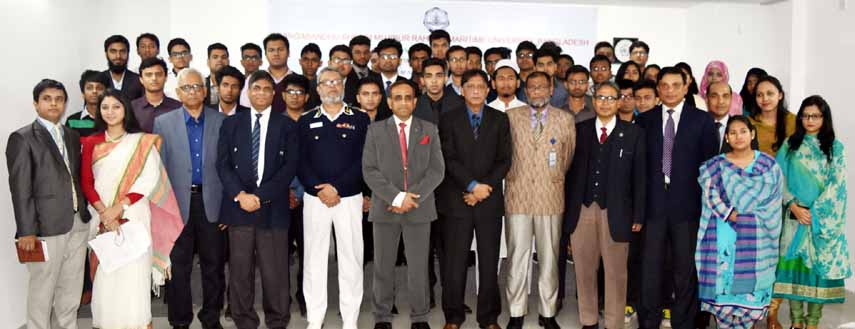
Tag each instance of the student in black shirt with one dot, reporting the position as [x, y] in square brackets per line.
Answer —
[92, 85]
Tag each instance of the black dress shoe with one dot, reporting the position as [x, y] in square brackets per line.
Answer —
[394, 309]
[301, 303]
[211, 326]
[383, 325]
[420, 325]
[596, 326]
[180, 327]
[548, 323]
[467, 309]
[515, 323]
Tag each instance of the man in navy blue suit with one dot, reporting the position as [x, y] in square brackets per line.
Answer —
[256, 160]
[679, 138]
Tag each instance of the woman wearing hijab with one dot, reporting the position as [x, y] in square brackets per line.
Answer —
[716, 71]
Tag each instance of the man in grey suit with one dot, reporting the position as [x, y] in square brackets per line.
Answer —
[43, 159]
[189, 152]
[402, 164]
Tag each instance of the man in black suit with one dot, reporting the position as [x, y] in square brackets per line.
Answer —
[388, 59]
[230, 83]
[436, 100]
[476, 146]
[679, 138]
[43, 159]
[456, 68]
[256, 161]
[218, 58]
[605, 204]
[116, 48]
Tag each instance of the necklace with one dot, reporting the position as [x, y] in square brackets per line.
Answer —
[112, 140]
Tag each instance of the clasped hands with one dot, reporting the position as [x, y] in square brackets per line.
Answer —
[109, 216]
[478, 194]
[407, 205]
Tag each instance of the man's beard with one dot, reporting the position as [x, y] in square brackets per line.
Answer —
[117, 68]
[332, 99]
[539, 102]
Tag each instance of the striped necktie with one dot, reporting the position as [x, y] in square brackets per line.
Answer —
[256, 144]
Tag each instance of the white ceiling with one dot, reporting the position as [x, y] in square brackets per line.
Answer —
[651, 3]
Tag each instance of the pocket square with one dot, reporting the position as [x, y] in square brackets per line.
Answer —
[425, 140]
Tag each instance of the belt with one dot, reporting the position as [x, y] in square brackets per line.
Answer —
[196, 188]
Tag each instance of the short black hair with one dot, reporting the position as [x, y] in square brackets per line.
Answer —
[93, 76]
[540, 74]
[341, 48]
[311, 47]
[526, 45]
[599, 58]
[360, 40]
[231, 71]
[369, 81]
[276, 37]
[217, 46]
[435, 61]
[260, 75]
[639, 44]
[251, 46]
[469, 74]
[472, 50]
[149, 62]
[551, 45]
[503, 52]
[129, 122]
[407, 82]
[177, 42]
[453, 49]
[671, 70]
[567, 57]
[439, 34]
[645, 84]
[546, 52]
[577, 69]
[298, 80]
[624, 84]
[390, 43]
[603, 44]
[418, 47]
[149, 36]
[114, 39]
[48, 84]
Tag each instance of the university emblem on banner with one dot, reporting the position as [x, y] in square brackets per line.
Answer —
[436, 19]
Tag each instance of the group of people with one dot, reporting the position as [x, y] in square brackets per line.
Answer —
[674, 200]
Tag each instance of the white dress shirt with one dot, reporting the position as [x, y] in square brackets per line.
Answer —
[500, 105]
[117, 84]
[598, 125]
[389, 80]
[399, 199]
[244, 94]
[234, 109]
[265, 118]
[676, 116]
[721, 129]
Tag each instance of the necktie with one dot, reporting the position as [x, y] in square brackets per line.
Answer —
[668, 145]
[603, 135]
[388, 85]
[256, 144]
[476, 120]
[718, 126]
[538, 127]
[402, 135]
[57, 137]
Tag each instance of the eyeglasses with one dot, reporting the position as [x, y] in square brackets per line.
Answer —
[456, 59]
[577, 82]
[295, 92]
[812, 117]
[389, 56]
[626, 97]
[606, 99]
[639, 53]
[252, 58]
[192, 88]
[331, 83]
[525, 55]
[341, 61]
[600, 68]
[180, 54]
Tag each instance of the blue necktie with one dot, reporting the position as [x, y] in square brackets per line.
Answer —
[256, 144]
[476, 125]
[668, 145]
[388, 84]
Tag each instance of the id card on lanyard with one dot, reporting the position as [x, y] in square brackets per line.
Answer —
[553, 156]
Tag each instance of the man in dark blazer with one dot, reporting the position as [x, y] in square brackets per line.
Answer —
[229, 84]
[605, 204]
[257, 160]
[402, 164]
[476, 146]
[189, 152]
[436, 100]
[43, 159]
[679, 138]
[116, 48]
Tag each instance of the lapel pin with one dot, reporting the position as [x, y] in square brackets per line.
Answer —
[620, 134]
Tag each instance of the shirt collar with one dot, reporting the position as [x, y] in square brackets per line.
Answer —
[392, 79]
[264, 113]
[49, 125]
[470, 113]
[609, 126]
[723, 120]
[677, 109]
[398, 121]
[188, 117]
[85, 113]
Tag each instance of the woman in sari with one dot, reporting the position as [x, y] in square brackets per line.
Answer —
[814, 256]
[737, 247]
[123, 179]
[716, 71]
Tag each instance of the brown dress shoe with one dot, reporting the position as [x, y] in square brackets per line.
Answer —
[493, 326]
[451, 326]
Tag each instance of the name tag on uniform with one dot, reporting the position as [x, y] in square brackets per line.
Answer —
[553, 158]
[314, 125]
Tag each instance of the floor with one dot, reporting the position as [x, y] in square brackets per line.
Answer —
[835, 316]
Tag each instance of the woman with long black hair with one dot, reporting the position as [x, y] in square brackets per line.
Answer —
[749, 104]
[692, 96]
[773, 121]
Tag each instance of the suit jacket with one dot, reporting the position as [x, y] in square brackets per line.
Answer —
[625, 187]
[485, 160]
[208, 95]
[234, 164]
[383, 172]
[175, 154]
[694, 143]
[449, 102]
[131, 85]
[532, 186]
[39, 181]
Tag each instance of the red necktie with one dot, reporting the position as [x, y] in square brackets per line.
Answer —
[402, 135]
[603, 136]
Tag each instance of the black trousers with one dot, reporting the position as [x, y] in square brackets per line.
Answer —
[682, 235]
[633, 266]
[268, 249]
[206, 239]
[562, 264]
[295, 240]
[457, 234]
[435, 252]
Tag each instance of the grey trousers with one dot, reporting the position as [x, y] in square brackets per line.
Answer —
[519, 232]
[416, 239]
[56, 285]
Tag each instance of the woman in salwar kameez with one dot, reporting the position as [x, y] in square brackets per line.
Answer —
[814, 255]
[737, 248]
